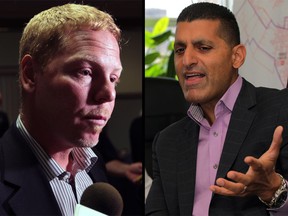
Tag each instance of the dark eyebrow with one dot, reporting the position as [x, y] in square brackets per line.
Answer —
[202, 41]
[194, 43]
[179, 43]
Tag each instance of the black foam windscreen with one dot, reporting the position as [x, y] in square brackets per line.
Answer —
[104, 198]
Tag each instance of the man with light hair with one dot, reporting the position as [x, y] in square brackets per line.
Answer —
[69, 67]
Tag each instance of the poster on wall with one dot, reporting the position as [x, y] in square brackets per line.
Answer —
[264, 31]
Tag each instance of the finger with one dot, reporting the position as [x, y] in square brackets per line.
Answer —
[238, 177]
[276, 143]
[254, 163]
[221, 191]
[228, 188]
[270, 155]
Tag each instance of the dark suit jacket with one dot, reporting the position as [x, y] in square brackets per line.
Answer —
[4, 123]
[256, 113]
[24, 188]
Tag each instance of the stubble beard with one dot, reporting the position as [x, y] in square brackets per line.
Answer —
[90, 142]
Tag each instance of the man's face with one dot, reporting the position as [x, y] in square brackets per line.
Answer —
[75, 94]
[203, 61]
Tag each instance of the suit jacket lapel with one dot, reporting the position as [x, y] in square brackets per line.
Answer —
[241, 120]
[25, 180]
[32, 189]
[187, 164]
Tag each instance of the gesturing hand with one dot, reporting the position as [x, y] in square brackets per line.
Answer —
[260, 179]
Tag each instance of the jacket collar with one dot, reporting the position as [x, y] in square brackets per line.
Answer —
[27, 190]
[240, 123]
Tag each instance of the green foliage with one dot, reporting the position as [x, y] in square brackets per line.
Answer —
[159, 63]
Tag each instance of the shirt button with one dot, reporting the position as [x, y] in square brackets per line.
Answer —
[215, 134]
[215, 166]
[66, 178]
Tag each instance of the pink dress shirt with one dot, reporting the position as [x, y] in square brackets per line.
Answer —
[211, 141]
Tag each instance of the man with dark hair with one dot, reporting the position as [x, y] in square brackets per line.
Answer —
[228, 156]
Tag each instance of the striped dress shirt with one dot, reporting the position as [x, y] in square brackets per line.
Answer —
[67, 187]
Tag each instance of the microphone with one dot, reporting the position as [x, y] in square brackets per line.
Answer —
[100, 198]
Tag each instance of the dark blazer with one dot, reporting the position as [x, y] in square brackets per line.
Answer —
[4, 123]
[24, 188]
[256, 113]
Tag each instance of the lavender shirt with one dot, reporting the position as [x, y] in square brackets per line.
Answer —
[211, 140]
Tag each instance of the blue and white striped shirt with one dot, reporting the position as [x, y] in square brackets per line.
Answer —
[59, 179]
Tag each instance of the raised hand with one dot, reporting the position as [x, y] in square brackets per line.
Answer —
[260, 179]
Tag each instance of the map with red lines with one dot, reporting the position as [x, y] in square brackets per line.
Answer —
[264, 31]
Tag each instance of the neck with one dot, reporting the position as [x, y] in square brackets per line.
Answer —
[209, 113]
[56, 148]
[64, 159]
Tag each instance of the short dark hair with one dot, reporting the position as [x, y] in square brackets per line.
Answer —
[229, 29]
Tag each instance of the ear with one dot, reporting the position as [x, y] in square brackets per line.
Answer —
[27, 73]
[238, 56]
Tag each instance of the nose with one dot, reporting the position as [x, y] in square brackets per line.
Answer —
[189, 58]
[104, 91]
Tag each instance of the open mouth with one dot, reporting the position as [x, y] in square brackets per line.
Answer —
[194, 75]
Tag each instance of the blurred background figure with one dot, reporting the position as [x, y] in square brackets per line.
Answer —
[123, 173]
[136, 139]
[4, 121]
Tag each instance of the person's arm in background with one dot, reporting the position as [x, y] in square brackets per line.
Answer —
[114, 164]
[132, 171]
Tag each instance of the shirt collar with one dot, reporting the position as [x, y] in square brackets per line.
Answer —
[84, 157]
[230, 96]
[228, 100]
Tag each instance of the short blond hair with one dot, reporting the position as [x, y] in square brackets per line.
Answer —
[46, 32]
